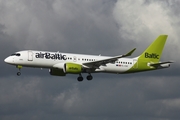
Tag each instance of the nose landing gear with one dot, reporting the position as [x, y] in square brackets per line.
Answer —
[19, 67]
[18, 73]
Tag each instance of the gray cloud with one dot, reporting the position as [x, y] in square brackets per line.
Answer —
[93, 27]
[144, 21]
[151, 98]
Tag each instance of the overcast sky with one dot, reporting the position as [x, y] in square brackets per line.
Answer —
[107, 27]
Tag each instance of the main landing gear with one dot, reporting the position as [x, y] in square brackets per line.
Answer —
[89, 77]
[80, 78]
[19, 67]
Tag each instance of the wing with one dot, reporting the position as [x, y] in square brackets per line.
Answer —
[96, 64]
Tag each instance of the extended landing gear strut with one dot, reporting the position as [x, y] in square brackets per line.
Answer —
[80, 78]
[19, 67]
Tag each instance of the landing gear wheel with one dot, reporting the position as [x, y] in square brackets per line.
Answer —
[89, 77]
[80, 78]
[18, 73]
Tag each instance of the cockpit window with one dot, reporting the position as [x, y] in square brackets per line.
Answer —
[16, 54]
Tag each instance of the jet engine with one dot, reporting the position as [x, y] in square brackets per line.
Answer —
[61, 69]
[57, 72]
[72, 68]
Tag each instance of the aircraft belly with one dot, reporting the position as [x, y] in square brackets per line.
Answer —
[39, 63]
[113, 68]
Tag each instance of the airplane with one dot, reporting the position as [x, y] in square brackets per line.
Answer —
[60, 64]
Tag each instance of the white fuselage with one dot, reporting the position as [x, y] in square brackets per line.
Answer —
[45, 59]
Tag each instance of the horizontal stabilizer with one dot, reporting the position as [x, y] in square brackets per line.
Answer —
[160, 63]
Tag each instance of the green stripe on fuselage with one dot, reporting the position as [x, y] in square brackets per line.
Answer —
[140, 66]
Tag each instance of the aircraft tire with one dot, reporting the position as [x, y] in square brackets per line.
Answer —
[80, 79]
[89, 77]
[18, 73]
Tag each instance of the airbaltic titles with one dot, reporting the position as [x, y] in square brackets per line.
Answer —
[48, 55]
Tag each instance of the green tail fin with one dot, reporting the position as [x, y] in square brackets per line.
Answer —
[154, 51]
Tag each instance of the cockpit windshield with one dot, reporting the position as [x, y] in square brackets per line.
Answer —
[16, 54]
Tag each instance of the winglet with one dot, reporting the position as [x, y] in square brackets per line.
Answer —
[129, 53]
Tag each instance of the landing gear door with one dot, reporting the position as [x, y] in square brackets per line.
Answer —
[135, 64]
[30, 55]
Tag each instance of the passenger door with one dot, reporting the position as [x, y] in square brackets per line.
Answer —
[30, 55]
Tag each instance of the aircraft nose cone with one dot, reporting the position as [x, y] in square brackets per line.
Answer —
[7, 60]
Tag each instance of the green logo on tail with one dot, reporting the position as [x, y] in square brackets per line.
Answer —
[151, 55]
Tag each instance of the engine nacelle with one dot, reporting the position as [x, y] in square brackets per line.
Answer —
[57, 72]
[167, 65]
[71, 68]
